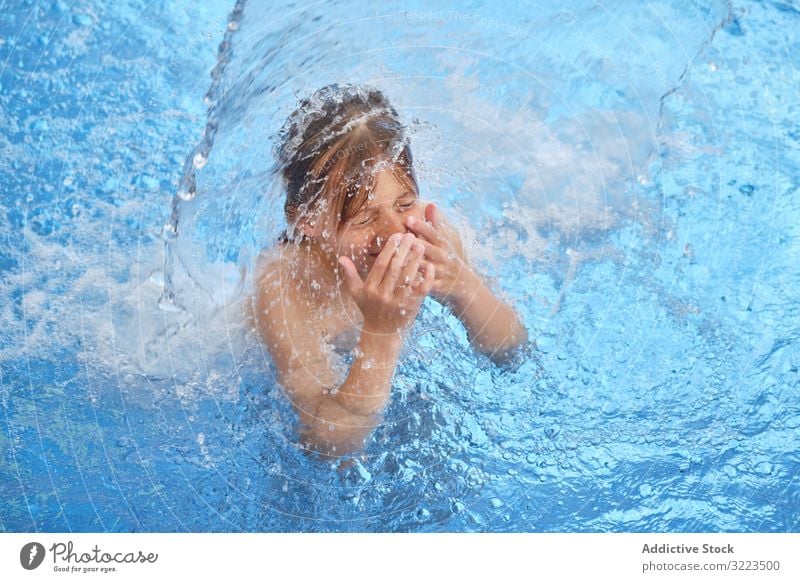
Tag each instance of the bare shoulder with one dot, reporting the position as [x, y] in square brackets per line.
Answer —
[279, 294]
[282, 314]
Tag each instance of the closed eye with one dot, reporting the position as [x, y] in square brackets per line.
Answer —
[409, 203]
[362, 221]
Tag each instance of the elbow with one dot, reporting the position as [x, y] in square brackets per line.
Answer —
[513, 346]
[329, 447]
[334, 433]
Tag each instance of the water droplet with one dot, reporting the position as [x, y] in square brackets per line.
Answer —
[166, 303]
[764, 468]
[82, 20]
[59, 7]
[157, 278]
[39, 126]
[186, 194]
[169, 231]
[199, 161]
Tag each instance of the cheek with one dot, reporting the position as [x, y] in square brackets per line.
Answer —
[355, 244]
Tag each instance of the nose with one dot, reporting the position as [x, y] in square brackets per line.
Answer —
[389, 224]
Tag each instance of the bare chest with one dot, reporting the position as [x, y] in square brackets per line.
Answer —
[339, 328]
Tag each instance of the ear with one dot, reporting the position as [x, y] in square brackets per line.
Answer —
[304, 225]
[306, 229]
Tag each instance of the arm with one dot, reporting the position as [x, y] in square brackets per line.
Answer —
[338, 417]
[494, 327]
[343, 420]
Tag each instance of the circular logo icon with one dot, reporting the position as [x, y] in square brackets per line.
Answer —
[31, 555]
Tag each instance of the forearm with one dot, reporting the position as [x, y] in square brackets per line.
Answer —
[494, 327]
[346, 417]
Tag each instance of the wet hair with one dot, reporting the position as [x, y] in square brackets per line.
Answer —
[331, 149]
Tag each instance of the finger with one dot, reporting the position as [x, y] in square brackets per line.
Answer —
[412, 266]
[446, 230]
[419, 276]
[378, 270]
[430, 277]
[434, 253]
[427, 279]
[398, 262]
[431, 215]
[425, 230]
[351, 276]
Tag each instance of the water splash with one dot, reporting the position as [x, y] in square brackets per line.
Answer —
[537, 129]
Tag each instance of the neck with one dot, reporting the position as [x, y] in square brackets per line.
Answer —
[323, 262]
[332, 290]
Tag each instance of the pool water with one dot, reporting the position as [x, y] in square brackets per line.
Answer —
[626, 174]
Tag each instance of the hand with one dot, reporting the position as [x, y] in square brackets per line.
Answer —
[391, 295]
[443, 248]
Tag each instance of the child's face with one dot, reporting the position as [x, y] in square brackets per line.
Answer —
[363, 236]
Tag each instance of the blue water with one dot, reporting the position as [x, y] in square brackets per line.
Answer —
[626, 173]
